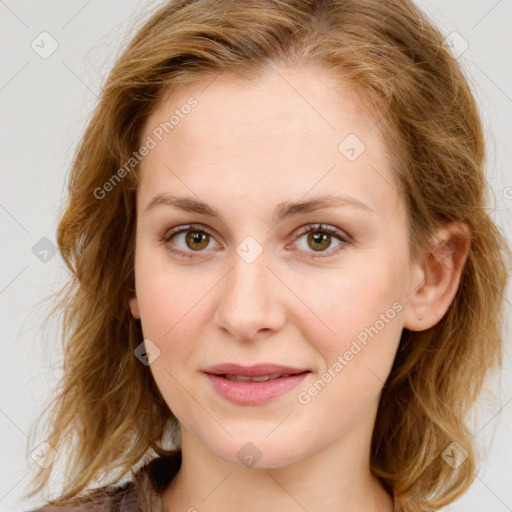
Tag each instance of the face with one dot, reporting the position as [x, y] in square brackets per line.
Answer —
[252, 279]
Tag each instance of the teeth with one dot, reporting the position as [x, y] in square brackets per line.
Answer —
[257, 378]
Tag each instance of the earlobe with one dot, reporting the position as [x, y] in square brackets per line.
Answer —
[134, 307]
[437, 277]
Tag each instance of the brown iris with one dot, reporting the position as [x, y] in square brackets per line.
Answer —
[194, 238]
[319, 239]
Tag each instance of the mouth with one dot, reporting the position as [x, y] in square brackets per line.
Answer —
[254, 385]
[257, 372]
[257, 378]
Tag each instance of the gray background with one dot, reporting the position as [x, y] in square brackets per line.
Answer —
[45, 101]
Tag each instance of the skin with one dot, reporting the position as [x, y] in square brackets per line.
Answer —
[244, 149]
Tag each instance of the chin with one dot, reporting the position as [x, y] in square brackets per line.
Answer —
[254, 450]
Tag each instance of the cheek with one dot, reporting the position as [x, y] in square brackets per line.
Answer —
[348, 302]
[366, 319]
[358, 331]
[172, 316]
[166, 295]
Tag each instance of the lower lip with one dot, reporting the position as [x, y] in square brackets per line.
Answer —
[252, 392]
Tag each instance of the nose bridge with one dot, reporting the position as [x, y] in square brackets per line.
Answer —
[248, 279]
[248, 303]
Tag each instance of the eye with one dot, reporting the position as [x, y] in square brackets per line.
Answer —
[319, 237]
[194, 238]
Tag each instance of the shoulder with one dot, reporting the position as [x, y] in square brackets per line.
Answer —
[106, 499]
[139, 495]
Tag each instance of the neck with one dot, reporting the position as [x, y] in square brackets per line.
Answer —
[337, 478]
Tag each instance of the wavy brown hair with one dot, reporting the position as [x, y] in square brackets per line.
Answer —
[108, 413]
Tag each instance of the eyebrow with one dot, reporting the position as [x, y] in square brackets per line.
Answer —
[282, 210]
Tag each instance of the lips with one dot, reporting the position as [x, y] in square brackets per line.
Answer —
[257, 373]
[256, 378]
[254, 385]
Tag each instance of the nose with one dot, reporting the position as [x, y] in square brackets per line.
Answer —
[249, 306]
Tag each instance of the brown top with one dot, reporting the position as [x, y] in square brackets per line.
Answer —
[143, 494]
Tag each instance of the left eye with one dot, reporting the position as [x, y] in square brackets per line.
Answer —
[319, 237]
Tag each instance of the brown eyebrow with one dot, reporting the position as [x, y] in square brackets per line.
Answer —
[283, 210]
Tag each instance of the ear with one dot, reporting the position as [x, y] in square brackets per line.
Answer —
[436, 277]
[134, 306]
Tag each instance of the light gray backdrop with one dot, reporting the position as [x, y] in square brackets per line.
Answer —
[55, 55]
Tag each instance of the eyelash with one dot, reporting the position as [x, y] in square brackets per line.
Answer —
[342, 237]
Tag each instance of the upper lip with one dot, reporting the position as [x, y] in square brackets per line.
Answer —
[253, 371]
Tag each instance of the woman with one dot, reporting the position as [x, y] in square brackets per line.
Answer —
[286, 285]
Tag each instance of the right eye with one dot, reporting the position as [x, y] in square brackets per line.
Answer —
[191, 237]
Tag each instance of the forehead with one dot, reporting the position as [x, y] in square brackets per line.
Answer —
[290, 131]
